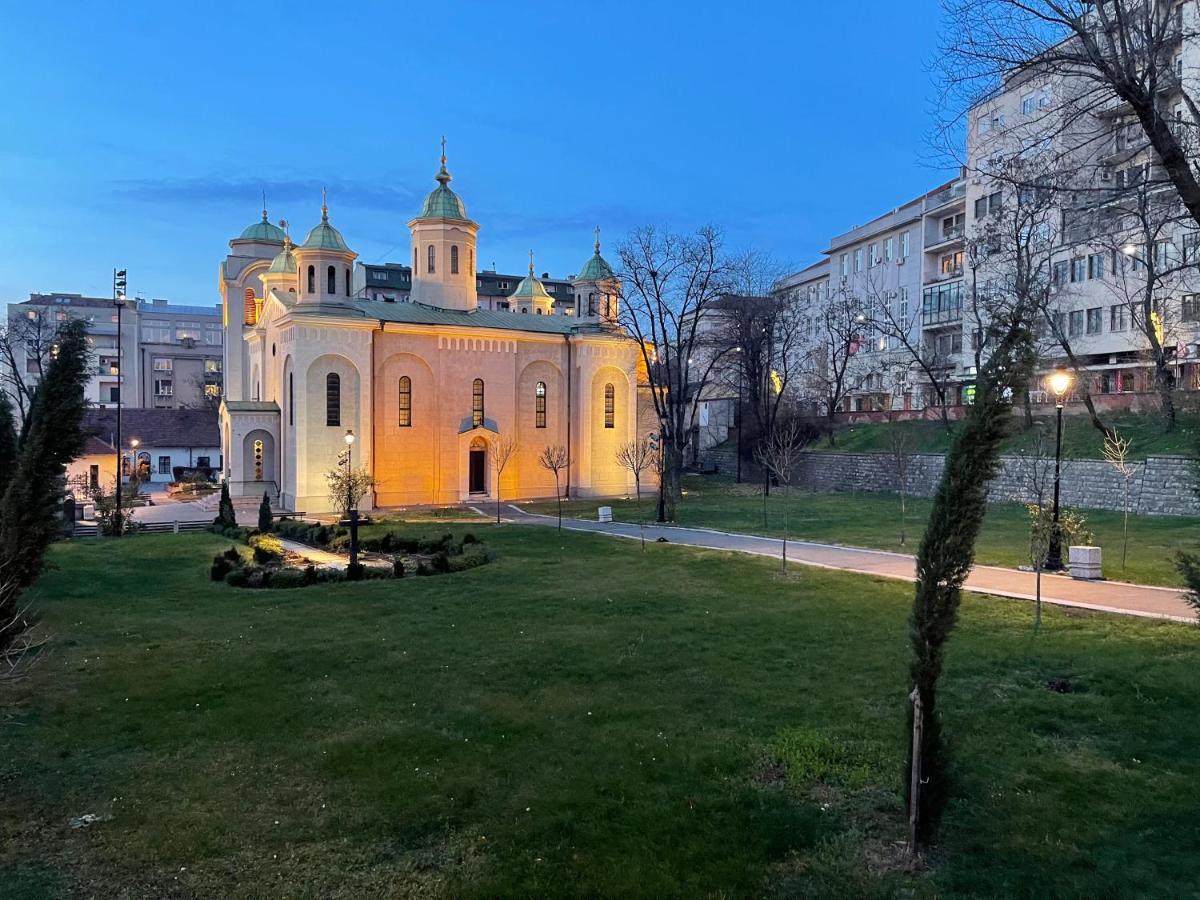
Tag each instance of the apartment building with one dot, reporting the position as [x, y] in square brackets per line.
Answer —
[393, 282]
[171, 355]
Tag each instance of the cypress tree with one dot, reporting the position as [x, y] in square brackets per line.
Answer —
[8, 442]
[264, 514]
[226, 518]
[51, 437]
[946, 554]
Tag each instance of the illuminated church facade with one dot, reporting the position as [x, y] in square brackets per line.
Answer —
[428, 388]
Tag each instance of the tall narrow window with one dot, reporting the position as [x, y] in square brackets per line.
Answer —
[291, 398]
[432, 265]
[539, 405]
[414, 261]
[258, 460]
[454, 259]
[312, 279]
[477, 402]
[405, 402]
[610, 402]
[347, 271]
[331, 280]
[333, 399]
[470, 261]
[250, 316]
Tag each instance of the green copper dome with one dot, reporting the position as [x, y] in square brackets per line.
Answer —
[285, 262]
[531, 289]
[324, 236]
[263, 231]
[596, 268]
[443, 203]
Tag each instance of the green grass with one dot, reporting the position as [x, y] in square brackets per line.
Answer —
[1080, 437]
[579, 718]
[873, 520]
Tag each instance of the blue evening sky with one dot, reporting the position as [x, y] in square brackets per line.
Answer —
[141, 135]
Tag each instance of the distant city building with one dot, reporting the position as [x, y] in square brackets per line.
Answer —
[171, 355]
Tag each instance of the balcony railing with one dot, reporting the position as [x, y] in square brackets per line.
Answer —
[941, 304]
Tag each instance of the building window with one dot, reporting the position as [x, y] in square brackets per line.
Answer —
[1075, 323]
[843, 265]
[454, 259]
[1116, 317]
[258, 459]
[1096, 265]
[477, 402]
[333, 399]
[162, 364]
[405, 402]
[164, 465]
[904, 245]
[291, 398]
[431, 265]
[1077, 269]
[347, 275]
[610, 401]
[249, 306]
[858, 260]
[331, 280]
[1191, 308]
[539, 405]
[1095, 320]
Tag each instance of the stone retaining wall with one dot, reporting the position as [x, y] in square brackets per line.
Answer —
[1161, 485]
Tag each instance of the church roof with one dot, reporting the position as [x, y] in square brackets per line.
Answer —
[324, 236]
[263, 231]
[285, 262]
[595, 269]
[420, 314]
[531, 288]
[443, 203]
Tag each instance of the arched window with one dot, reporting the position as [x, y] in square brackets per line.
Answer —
[610, 402]
[454, 259]
[331, 280]
[347, 282]
[291, 398]
[470, 261]
[477, 402]
[591, 304]
[414, 271]
[312, 279]
[251, 307]
[258, 460]
[405, 402]
[333, 399]
[432, 264]
[539, 405]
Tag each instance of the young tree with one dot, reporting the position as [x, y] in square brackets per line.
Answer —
[51, 437]
[779, 454]
[347, 487]
[555, 459]
[637, 456]
[504, 449]
[900, 451]
[1116, 454]
[1036, 479]
[264, 514]
[944, 559]
[669, 283]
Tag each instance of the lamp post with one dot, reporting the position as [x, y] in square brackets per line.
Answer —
[738, 414]
[351, 506]
[1060, 383]
[120, 282]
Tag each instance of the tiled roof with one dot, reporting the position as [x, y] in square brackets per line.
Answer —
[419, 314]
[155, 427]
[93, 446]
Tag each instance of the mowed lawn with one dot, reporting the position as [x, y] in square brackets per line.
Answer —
[579, 718]
[873, 520]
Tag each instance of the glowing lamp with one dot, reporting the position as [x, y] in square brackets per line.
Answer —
[349, 437]
[1060, 383]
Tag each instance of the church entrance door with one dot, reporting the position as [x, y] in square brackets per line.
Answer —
[478, 470]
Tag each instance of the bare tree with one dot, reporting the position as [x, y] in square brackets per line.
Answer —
[900, 450]
[778, 454]
[840, 335]
[504, 448]
[638, 456]
[1036, 478]
[26, 343]
[1116, 454]
[555, 459]
[669, 283]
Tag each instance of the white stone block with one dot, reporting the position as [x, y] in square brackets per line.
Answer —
[1085, 563]
[605, 514]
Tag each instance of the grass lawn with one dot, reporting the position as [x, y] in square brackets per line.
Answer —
[873, 520]
[1080, 438]
[579, 718]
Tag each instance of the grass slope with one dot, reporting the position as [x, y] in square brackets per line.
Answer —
[579, 718]
[873, 520]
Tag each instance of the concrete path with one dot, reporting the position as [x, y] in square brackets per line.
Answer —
[322, 559]
[1060, 590]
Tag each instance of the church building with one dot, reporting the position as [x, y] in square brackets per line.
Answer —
[424, 389]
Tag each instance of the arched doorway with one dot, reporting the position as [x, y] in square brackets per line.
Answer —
[477, 466]
[259, 458]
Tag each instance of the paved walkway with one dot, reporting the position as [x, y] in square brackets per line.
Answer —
[1060, 590]
[322, 559]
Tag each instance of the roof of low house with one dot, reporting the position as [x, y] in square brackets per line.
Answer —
[93, 446]
[155, 427]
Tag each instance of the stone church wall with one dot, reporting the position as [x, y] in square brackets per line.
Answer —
[1161, 485]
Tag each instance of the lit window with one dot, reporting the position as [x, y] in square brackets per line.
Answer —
[477, 402]
[405, 402]
[539, 405]
[610, 402]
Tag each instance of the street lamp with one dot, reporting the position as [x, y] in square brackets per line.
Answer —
[351, 506]
[738, 414]
[1060, 383]
[133, 445]
[120, 285]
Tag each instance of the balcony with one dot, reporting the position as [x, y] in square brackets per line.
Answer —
[941, 305]
[955, 193]
[941, 238]
[949, 275]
